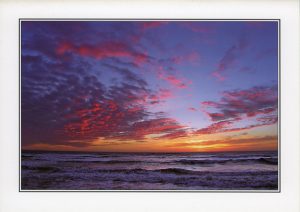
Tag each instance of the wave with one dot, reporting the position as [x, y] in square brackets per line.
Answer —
[46, 169]
[180, 171]
[269, 161]
[105, 161]
[202, 162]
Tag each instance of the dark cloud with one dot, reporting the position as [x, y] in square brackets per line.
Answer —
[64, 102]
[59, 108]
[128, 75]
[257, 102]
[237, 103]
[227, 126]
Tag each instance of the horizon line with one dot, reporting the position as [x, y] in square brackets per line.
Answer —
[39, 150]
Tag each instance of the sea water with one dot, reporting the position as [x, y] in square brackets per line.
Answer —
[149, 171]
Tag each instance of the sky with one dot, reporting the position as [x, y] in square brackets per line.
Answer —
[149, 86]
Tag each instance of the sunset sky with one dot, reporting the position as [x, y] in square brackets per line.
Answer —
[149, 86]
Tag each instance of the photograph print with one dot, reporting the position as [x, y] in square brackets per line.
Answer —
[149, 105]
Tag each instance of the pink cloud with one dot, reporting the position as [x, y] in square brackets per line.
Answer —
[171, 79]
[161, 95]
[103, 50]
[63, 47]
[218, 76]
[215, 127]
[176, 82]
[147, 99]
[226, 126]
[257, 102]
[165, 126]
[176, 134]
[192, 109]
[240, 103]
[165, 94]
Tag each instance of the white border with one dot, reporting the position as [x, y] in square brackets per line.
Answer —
[13, 200]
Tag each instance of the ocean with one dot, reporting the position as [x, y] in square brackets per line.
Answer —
[149, 171]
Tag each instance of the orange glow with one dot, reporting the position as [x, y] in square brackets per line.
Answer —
[208, 143]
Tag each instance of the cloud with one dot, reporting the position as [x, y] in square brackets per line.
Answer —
[98, 40]
[82, 81]
[162, 94]
[229, 59]
[253, 140]
[250, 143]
[180, 133]
[226, 126]
[85, 111]
[158, 128]
[173, 80]
[63, 103]
[40, 37]
[192, 109]
[238, 103]
[103, 50]
[215, 127]
[176, 82]
[127, 74]
[234, 106]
